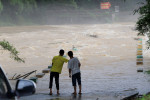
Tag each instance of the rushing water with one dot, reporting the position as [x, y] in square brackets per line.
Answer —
[107, 53]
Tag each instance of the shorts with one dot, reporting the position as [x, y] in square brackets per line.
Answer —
[77, 77]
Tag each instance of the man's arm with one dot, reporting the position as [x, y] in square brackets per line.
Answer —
[65, 60]
[69, 69]
[79, 64]
[70, 73]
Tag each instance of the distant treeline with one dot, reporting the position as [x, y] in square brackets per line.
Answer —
[31, 11]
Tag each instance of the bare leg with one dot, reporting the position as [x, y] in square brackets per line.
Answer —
[79, 89]
[75, 92]
[50, 91]
[57, 92]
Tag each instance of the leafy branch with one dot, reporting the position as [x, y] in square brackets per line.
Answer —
[143, 23]
[13, 52]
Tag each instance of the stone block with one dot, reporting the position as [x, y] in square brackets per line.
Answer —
[34, 79]
[40, 75]
[140, 70]
[46, 70]
[139, 63]
[139, 56]
[139, 60]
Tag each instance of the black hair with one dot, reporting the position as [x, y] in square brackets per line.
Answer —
[61, 52]
[70, 54]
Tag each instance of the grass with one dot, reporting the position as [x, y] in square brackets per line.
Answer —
[145, 97]
[148, 72]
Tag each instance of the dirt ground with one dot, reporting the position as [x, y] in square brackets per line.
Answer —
[107, 53]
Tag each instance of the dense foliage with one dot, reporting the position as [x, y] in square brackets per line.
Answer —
[33, 11]
[143, 23]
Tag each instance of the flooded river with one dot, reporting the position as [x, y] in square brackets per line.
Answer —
[107, 53]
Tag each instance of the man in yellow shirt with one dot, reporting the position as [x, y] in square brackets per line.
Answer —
[57, 64]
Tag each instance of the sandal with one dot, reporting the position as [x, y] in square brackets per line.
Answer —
[80, 93]
[74, 93]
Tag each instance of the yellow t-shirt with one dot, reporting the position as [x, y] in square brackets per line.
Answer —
[58, 62]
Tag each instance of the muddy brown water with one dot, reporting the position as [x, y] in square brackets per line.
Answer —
[107, 53]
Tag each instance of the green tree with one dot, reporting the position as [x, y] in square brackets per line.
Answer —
[56, 4]
[143, 23]
[1, 6]
[88, 4]
[18, 5]
[12, 11]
